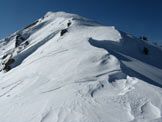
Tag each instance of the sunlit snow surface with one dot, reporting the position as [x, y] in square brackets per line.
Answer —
[92, 73]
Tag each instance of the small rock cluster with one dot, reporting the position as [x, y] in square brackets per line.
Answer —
[8, 59]
[63, 31]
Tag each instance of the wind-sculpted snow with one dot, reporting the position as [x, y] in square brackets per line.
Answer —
[91, 73]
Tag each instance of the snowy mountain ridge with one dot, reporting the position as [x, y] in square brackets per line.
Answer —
[66, 68]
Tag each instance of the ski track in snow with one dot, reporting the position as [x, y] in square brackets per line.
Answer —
[11, 88]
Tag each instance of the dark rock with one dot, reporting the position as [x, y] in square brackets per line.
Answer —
[63, 32]
[145, 38]
[7, 68]
[145, 50]
[19, 40]
[34, 23]
[18, 36]
[68, 24]
[17, 43]
[4, 56]
[26, 43]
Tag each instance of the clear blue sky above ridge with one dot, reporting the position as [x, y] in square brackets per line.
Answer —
[138, 17]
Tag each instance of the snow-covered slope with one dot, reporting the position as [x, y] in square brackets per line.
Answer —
[66, 68]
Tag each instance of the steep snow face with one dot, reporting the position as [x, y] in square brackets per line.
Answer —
[66, 68]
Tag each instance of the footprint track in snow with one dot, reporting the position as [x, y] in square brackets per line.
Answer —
[150, 111]
[122, 82]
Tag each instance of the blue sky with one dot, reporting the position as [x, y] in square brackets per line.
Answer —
[138, 17]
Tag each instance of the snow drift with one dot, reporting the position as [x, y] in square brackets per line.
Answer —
[66, 68]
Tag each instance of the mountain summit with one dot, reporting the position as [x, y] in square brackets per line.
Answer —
[66, 68]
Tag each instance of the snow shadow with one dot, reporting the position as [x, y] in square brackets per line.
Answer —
[113, 47]
[135, 46]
